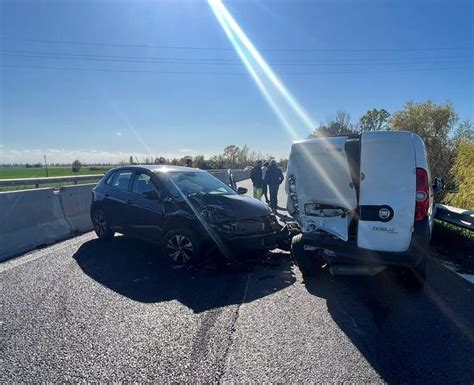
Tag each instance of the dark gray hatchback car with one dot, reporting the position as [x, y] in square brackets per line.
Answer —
[185, 210]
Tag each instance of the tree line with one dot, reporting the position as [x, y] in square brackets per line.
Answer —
[232, 157]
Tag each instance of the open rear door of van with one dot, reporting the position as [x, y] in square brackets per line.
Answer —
[323, 184]
[387, 191]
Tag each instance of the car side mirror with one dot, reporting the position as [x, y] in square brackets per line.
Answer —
[242, 190]
[151, 194]
[438, 184]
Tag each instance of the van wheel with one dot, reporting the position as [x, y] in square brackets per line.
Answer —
[101, 224]
[415, 277]
[307, 262]
[182, 246]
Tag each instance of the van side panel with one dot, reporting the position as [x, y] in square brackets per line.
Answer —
[387, 186]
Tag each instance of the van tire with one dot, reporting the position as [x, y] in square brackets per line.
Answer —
[304, 260]
[415, 277]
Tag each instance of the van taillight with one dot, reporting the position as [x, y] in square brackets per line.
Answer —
[422, 194]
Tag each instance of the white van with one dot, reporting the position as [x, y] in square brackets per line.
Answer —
[363, 202]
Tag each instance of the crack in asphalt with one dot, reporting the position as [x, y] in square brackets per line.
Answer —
[231, 339]
[212, 323]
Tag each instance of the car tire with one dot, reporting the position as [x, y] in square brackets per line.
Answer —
[101, 224]
[307, 262]
[415, 277]
[181, 246]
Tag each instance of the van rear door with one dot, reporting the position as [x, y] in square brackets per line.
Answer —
[326, 196]
[387, 191]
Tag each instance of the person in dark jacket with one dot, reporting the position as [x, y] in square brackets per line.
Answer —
[257, 180]
[273, 178]
[265, 187]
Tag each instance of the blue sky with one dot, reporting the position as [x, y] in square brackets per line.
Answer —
[359, 60]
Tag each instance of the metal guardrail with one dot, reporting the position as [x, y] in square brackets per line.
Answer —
[455, 216]
[74, 180]
[50, 180]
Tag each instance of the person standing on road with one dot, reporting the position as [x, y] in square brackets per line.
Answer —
[265, 187]
[273, 179]
[257, 180]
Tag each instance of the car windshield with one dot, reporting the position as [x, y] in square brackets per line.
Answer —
[192, 183]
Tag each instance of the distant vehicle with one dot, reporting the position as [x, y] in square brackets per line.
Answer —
[363, 202]
[185, 210]
[248, 168]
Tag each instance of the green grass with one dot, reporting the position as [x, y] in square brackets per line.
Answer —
[455, 245]
[23, 172]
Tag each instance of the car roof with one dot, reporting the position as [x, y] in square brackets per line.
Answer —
[160, 168]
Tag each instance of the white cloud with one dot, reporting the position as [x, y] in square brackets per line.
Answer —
[2, 145]
[118, 133]
[55, 155]
[186, 150]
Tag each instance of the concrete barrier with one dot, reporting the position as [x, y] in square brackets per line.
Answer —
[222, 175]
[230, 177]
[76, 203]
[30, 219]
[240, 175]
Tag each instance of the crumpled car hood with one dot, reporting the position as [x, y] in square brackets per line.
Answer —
[234, 207]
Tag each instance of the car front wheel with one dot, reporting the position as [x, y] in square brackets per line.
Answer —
[182, 246]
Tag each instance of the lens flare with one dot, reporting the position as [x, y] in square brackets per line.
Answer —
[260, 70]
[268, 83]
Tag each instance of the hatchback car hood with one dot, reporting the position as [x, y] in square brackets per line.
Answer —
[232, 207]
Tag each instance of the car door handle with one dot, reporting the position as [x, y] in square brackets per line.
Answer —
[106, 195]
[129, 201]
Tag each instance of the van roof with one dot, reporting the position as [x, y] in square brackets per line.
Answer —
[350, 136]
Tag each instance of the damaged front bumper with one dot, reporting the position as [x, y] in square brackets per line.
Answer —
[253, 233]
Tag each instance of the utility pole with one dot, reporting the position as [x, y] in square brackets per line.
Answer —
[46, 165]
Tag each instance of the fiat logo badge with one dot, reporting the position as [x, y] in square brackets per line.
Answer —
[384, 213]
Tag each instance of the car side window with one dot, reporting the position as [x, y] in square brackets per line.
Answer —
[143, 183]
[110, 178]
[122, 179]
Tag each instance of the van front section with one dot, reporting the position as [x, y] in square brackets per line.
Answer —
[361, 198]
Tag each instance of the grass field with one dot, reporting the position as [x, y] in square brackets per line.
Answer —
[23, 172]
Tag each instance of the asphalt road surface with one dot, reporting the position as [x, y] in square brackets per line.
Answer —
[86, 310]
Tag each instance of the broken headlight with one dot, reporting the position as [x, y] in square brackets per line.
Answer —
[213, 215]
[322, 210]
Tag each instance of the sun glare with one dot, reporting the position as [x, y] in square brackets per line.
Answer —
[282, 102]
[272, 88]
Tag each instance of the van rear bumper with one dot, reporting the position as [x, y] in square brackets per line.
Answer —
[349, 252]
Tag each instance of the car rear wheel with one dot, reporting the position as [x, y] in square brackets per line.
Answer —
[182, 246]
[308, 263]
[101, 224]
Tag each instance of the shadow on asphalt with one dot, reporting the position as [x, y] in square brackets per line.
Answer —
[136, 270]
[407, 337]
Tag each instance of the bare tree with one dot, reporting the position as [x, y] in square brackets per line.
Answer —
[339, 124]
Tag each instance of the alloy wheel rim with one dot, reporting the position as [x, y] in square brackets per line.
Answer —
[180, 248]
[100, 222]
